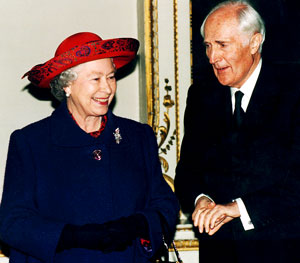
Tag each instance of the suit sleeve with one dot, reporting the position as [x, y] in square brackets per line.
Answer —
[162, 206]
[21, 225]
[188, 180]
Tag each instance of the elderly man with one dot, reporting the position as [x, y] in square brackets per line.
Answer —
[238, 174]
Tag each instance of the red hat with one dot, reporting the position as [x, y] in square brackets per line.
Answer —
[80, 48]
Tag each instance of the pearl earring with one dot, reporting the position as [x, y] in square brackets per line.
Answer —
[67, 94]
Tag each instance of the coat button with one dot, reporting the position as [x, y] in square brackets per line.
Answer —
[97, 155]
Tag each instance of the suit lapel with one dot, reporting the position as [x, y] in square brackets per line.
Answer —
[264, 99]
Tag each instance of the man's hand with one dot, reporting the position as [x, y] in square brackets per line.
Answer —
[211, 217]
[203, 205]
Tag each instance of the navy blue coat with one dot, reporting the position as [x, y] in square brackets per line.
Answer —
[52, 179]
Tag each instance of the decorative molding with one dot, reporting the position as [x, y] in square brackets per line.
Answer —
[163, 135]
[186, 245]
[163, 103]
[191, 36]
[151, 63]
[166, 139]
[164, 130]
[176, 72]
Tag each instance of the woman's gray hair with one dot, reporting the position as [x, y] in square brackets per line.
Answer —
[249, 19]
[59, 82]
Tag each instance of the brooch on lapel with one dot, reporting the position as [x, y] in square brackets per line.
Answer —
[117, 135]
[97, 155]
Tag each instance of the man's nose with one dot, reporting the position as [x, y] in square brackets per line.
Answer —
[214, 55]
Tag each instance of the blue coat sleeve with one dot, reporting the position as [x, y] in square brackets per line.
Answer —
[162, 208]
[21, 226]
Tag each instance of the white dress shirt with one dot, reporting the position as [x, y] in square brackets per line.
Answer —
[247, 89]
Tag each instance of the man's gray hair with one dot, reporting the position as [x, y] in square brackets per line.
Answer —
[249, 19]
[61, 81]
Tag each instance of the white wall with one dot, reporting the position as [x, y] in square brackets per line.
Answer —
[30, 32]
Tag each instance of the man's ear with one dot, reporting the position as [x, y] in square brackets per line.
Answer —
[255, 42]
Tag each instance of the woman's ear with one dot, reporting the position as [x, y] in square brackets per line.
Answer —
[67, 91]
[255, 42]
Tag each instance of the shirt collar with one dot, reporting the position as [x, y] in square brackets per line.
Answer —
[248, 87]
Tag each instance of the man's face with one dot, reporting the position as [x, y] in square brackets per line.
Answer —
[228, 48]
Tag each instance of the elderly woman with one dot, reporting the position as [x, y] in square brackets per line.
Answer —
[84, 185]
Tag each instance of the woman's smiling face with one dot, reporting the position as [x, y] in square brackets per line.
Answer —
[94, 89]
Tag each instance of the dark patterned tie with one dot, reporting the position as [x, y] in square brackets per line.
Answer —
[239, 113]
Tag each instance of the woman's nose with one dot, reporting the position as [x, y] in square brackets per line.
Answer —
[105, 86]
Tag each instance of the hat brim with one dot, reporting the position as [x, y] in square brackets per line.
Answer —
[121, 50]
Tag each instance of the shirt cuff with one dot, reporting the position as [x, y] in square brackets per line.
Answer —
[245, 218]
[201, 196]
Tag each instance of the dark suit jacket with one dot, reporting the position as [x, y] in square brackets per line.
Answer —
[52, 179]
[260, 164]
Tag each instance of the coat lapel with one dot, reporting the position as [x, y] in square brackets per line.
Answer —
[264, 99]
[65, 132]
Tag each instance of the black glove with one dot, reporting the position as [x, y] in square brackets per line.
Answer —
[111, 236]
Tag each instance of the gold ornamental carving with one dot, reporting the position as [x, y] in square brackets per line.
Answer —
[163, 100]
[151, 63]
[166, 138]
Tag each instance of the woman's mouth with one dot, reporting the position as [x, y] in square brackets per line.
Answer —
[101, 101]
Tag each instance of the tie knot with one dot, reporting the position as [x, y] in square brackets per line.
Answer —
[238, 96]
[238, 99]
[238, 111]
